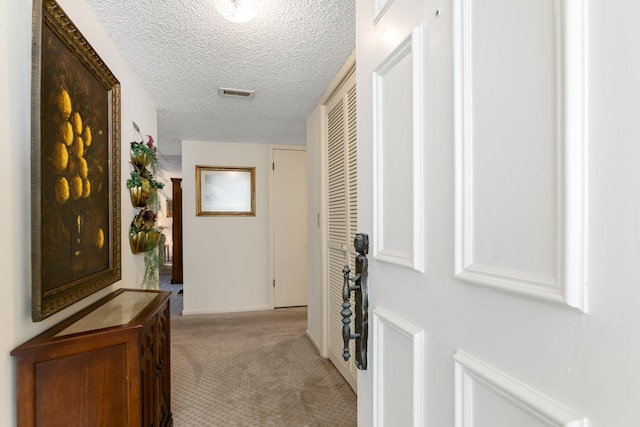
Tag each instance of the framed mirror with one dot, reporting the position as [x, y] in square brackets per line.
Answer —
[225, 191]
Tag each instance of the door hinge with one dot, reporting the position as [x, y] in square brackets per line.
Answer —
[273, 166]
[274, 283]
[318, 218]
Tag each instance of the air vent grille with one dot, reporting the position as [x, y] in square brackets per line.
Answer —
[235, 93]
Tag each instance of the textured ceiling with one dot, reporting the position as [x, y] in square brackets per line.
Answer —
[183, 50]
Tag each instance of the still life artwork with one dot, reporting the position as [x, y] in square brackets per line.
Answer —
[75, 157]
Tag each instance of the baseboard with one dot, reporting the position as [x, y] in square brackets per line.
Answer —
[225, 310]
[315, 343]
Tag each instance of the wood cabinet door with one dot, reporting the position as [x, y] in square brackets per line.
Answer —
[163, 403]
[148, 375]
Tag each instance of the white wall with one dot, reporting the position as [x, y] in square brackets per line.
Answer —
[226, 259]
[316, 325]
[15, 116]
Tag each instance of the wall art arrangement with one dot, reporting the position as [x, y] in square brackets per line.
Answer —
[225, 191]
[144, 232]
[75, 167]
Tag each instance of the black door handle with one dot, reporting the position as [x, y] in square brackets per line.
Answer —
[361, 289]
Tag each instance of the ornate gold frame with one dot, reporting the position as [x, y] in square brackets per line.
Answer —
[68, 262]
[214, 204]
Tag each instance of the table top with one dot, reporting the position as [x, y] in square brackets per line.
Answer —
[118, 311]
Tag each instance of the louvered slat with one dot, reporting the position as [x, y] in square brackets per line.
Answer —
[336, 177]
[342, 217]
[352, 164]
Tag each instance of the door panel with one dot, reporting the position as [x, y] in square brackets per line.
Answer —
[289, 227]
[522, 234]
[398, 348]
[398, 97]
[471, 170]
[490, 398]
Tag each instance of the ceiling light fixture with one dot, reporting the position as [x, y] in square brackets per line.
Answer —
[240, 11]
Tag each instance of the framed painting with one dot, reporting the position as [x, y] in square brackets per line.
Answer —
[225, 191]
[75, 163]
[169, 208]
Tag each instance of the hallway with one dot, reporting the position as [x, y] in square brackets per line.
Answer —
[252, 369]
[176, 290]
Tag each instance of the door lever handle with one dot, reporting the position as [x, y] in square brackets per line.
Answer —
[361, 289]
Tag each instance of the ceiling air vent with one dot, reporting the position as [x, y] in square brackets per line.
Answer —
[235, 93]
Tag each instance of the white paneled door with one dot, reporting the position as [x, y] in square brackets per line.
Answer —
[472, 185]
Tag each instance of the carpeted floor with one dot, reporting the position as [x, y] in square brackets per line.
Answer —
[254, 369]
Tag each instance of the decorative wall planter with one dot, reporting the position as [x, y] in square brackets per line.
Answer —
[144, 234]
[140, 195]
[140, 158]
[144, 241]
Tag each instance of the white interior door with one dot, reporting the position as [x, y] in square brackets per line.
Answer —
[473, 188]
[289, 227]
[342, 191]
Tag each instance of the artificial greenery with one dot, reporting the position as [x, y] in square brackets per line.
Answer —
[146, 219]
[148, 149]
[156, 184]
[140, 148]
[136, 181]
[152, 262]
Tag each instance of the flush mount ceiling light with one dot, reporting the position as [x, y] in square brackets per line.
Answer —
[237, 10]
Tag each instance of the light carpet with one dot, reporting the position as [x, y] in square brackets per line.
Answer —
[254, 369]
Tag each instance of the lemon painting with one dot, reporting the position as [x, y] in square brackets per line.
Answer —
[75, 182]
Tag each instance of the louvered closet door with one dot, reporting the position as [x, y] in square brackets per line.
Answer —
[342, 213]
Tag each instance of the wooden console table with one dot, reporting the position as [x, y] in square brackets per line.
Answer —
[108, 365]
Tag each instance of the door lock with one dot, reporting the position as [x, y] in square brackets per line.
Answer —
[361, 289]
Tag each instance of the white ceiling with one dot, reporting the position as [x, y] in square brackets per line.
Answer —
[183, 50]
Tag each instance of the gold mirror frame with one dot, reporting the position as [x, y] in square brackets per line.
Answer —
[225, 191]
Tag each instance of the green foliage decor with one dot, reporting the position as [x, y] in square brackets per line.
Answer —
[144, 234]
